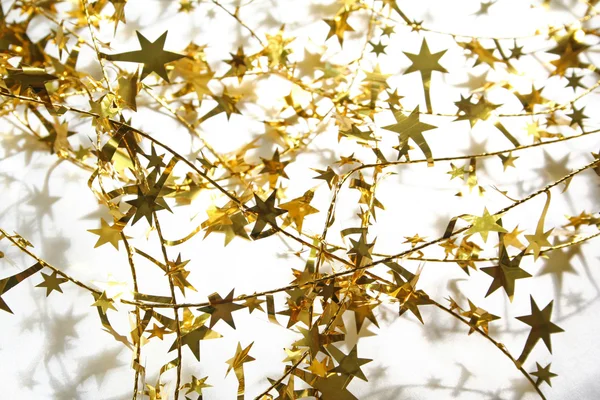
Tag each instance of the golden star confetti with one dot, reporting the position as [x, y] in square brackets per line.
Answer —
[318, 161]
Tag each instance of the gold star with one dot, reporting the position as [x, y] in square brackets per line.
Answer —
[349, 364]
[319, 368]
[274, 166]
[479, 318]
[512, 238]
[508, 161]
[221, 309]
[152, 55]
[506, 272]
[196, 385]
[107, 234]
[52, 282]
[103, 302]
[484, 224]
[239, 64]
[158, 331]
[425, 62]
[266, 213]
[240, 358]
[537, 241]
[338, 26]
[193, 337]
[411, 128]
[456, 172]
[541, 328]
[29, 78]
[253, 303]
[298, 209]
[293, 355]
[328, 176]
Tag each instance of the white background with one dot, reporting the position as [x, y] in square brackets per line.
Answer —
[54, 348]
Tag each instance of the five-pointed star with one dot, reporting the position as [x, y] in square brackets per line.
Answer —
[530, 100]
[274, 166]
[512, 238]
[239, 64]
[484, 224]
[333, 387]
[158, 331]
[506, 272]
[29, 78]
[410, 299]
[319, 368]
[411, 128]
[293, 355]
[298, 209]
[537, 241]
[361, 250]
[179, 274]
[508, 161]
[52, 282]
[474, 112]
[240, 358]
[253, 303]
[192, 339]
[103, 302]
[152, 55]
[363, 309]
[328, 176]
[316, 341]
[543, 374]
[349, 364]
[356, 133]
[568, 59]
[478, 318]
[221, 309]
[456, 172]
[107, 234]
[266, 213]
[338, 26]
[154, 160]
[541, 327]
[196, 385]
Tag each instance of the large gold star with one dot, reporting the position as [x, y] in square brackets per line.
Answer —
[237, 364]
[152, 55]
[338, 26]
[541, 328]
[298, 209]
[410, 127]
[349, 364]
[543, 374]
[484, 224]
[192, 339]
[52, 282]
[425, 62]
[196, 385]
[266, 212]
[221, 309]
[107, 234]
[506, 272]
[478, 318]
[103, 302]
